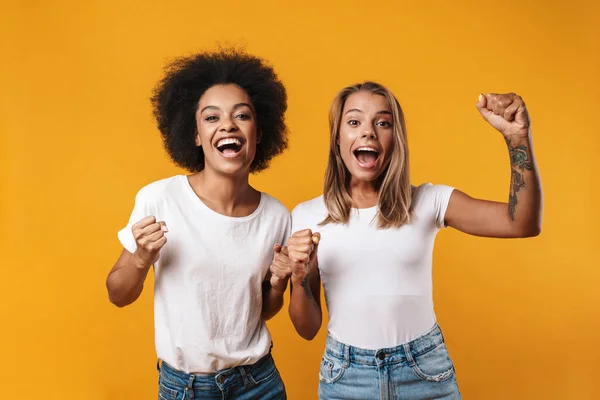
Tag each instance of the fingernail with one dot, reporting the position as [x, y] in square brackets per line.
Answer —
[164, 228]
[480, 97]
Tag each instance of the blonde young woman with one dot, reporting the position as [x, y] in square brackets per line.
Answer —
[374, 254]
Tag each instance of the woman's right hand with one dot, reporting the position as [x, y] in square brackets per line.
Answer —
[150, 238]
[302, 250]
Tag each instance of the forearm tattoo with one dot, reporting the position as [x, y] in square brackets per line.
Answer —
[519, 163]
[306, 286]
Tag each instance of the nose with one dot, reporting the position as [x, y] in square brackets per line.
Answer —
[369, 134]
[227, 125]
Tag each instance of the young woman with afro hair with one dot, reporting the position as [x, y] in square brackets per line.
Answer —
[214, 241]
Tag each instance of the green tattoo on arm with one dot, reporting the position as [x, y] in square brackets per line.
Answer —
[519, 164]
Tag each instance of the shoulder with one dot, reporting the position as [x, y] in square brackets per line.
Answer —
[314, 206]
[431, 201]
[309, 214]
[157, 189]
[429, 191]
[274, 206]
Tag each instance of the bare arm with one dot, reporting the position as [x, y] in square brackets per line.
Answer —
[275, 282]
[305, 305]
[125, 280]
[272, 299]
[521, 216]
[305, 301]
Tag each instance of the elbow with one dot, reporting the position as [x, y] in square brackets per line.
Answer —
[534, 232]
[307, 332]
[530, 231]
[308, 335]
[114, 296]
[118, 301]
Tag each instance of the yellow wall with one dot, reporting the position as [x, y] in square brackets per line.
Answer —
[521, 318]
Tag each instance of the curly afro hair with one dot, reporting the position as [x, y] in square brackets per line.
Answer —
[175, 101]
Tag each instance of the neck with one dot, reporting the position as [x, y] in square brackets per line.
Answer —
[364, 194]
[229, 195]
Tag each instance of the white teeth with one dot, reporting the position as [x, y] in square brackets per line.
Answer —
[366, 149]
[226, 141]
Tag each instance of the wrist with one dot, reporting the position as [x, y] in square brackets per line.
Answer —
[517, 138]
[298, 279]
[140, 262]
[280, 287]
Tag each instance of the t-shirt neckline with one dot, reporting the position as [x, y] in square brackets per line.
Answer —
[207, 209]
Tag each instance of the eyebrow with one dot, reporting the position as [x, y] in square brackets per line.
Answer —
[238, 105]
[378, 112]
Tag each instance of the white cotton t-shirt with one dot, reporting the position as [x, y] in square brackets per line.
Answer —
[208, 279]
[377, 282]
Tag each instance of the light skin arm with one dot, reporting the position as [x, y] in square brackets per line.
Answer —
[305, 300]
[521, 215]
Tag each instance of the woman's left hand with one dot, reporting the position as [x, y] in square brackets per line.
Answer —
[505, 112]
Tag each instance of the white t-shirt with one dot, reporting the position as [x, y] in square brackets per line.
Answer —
[208, 279]
[377, 282]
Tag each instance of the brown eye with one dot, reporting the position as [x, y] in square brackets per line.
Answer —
[353, 122]
[210, 118]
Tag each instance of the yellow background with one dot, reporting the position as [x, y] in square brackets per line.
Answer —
[521, 318]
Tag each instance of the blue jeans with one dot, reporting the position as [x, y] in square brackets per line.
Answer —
[417, 370]
[258, 381]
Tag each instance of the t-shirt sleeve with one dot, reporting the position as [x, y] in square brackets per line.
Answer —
[298, 222]
[141, 209]
[308, 215]
[440, 196]
[287, 230]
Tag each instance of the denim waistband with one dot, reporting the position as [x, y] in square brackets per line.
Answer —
[219, 379]
[401, 353]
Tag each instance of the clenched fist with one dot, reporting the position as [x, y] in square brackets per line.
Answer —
[505, 112]
[280, 268]
[302, 250]
[150, 238]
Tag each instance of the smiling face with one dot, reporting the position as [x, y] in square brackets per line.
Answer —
[366, 135]
[226, 126]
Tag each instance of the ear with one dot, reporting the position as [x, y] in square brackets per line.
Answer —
[258, 136]
[197, 140]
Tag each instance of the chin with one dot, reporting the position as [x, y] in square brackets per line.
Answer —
[365, 176]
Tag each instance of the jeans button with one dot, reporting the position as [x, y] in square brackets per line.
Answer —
[381, 356]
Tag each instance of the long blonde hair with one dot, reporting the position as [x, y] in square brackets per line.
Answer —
[394, 184]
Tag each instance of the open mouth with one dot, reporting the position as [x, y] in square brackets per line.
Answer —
[366, 156]
[229, 146]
